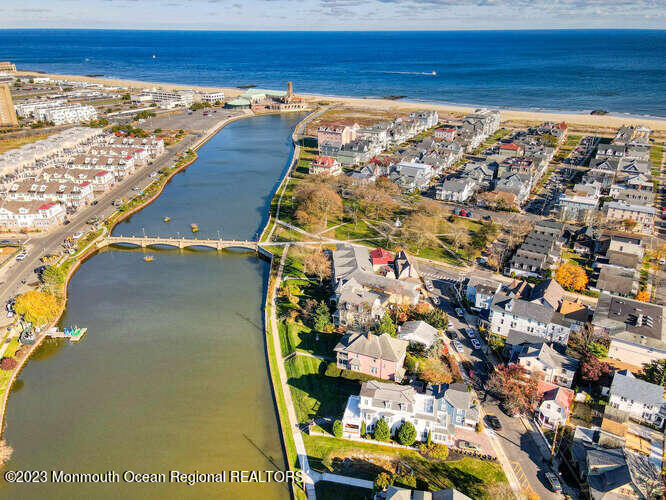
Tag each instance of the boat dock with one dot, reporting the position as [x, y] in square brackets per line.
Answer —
[73, 334]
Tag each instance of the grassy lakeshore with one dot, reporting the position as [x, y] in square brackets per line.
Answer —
[583, 120]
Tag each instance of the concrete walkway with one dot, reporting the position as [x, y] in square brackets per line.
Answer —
[351, 481]
[291, 414]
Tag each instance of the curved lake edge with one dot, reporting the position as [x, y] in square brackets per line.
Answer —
[92, 250]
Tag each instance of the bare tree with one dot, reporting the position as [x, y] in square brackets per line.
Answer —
[317, 263]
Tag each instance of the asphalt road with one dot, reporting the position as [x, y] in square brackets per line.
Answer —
[14, 273]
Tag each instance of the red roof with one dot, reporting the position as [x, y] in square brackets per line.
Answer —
[552, 392]
[128, 157]
[562, 126]
[446, 129]
[380, 257]
[99, 174]
[510, 145]
[325, 161]
[85, 183]
[48, 205]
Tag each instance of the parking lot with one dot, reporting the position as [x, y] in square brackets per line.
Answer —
[184, 120]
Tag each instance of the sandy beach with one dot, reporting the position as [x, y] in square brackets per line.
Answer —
[583, 121]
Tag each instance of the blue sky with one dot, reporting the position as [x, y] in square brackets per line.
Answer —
[333, 14]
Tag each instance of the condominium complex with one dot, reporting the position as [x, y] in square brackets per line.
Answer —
[7, 114]
[7, 66]
[57, 112]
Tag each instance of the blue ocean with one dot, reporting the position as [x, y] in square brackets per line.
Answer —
[622, 71]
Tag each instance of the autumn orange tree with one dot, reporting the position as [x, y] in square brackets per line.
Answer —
[643, 296]
[571, 276]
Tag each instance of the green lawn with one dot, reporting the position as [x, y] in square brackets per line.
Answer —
[471, 476]
[315, 394]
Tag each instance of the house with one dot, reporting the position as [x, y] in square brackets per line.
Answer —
[641, 400]
[325, 165]
[458, 190]
[404, 266]
[507, 149]
[632, 135]
[619, 281]
[30, 215]
[613, 473]
[397, 404]
[545, 363]
[514, 184]
[533, 310]
[642, 216]
[554, 406]
[381, 258]
[576, 206]
[380, 356]
[412, 176]
[397, 493]
[482, 173]
[637, 329]
[68, 193]
[480, 291]
[355, 152]
[336, 134]
[418, 332]
[539, 250]
[436, 411]
[357, 306]
[445, 133]
[632, 195]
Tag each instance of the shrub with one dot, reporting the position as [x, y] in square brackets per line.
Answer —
[434, 451]
[332, 370]
[479, 426]
[7, 363]
[382, 432]
[383, 481]
[407, 434]
[363, 431]
[408, 480]
[337, 429]
[429, 440]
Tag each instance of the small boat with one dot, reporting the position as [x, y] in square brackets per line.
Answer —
[149, 258]
[167, 219]
[194, 228]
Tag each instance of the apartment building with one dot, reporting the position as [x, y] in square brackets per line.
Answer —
[30, 215]
[642, 215]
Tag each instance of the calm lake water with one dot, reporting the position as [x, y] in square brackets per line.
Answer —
[172, 373]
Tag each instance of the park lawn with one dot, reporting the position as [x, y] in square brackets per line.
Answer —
[7, 144]
[656, 155]
[471, 476]
[348, 232]
[314, 394]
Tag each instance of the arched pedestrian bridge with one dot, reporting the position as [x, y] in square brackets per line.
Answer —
[149, 241]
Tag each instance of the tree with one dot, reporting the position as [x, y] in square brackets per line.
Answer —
[363, 431]
[407, 434]
[459, 235]
[383, 481]
[643, 296]
[435, 371]
[429, 439]
[592, 369]
[599, 350]
[386, 325]
[316, 203]
[337, 429]
[316, 262]
[37, 307]
[655, 372]
[382, 432]
[515, 389]
[8, 364]
[322, 317]
[571, 276]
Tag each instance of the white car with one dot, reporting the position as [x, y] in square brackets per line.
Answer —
[21, 256]
[77, 235]
[136, 188]
[460, 313]
[154, 174]
[469, 332]
[457, 346]
[435, 300]
[476, 344]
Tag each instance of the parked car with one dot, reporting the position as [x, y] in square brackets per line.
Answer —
[154, 174]
[435, 300]
[457, 346]
[554, 482]
[460, 313]
[469, 332]
[428, 285]
[136, 188]
[21, 256]
[466, 445]
[452, 334]
[493, 422]
[77, 235]
[476, 344]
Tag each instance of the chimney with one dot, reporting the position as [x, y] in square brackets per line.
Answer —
[290, 91]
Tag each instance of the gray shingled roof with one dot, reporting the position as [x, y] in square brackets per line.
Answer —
[377, 346]
[635, 389]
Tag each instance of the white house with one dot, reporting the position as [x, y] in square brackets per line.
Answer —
[31, 215]
[418, 332]
[436, 411]
[640, 399]
[459, 190]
